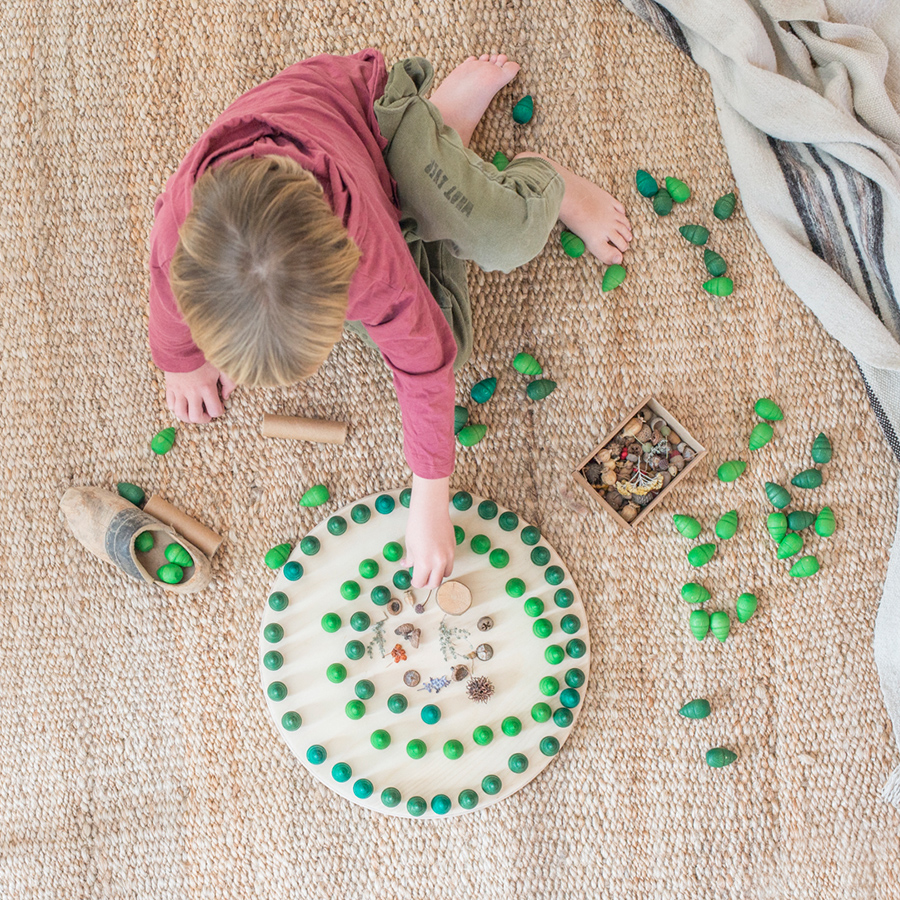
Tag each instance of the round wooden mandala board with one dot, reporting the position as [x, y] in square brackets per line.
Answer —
[296, 652]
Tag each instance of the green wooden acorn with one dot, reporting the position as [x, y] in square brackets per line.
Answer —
[460, 417]
[677, 189]
[694, 593]
[613, 277]
[687, 525]
[524, 110]
[571, 244]
[791, 544]
[315, 496]
[162, 441]
[696, 234]
[144, 542]
[778, 496]
[500, 160]
[727, 525]
[696, 709]
[175, 553]
[662, 202]
[646, 183]
[720, 625]
[527, 364]
[719, 287]
[170, 573]
[724, 206]
[808, 478]
[699, 623]
[701, 555]
[718, 757]
[804, 567]
[714, 263]
[768, 409]
[540, 388]
[746, 606]
[731, 470]
[484, 390]
[277, 556]
[821, 449]
[777, 525]
[825, 524]
[761, 435]
[131, 492]
[800, 519]
[471, 434]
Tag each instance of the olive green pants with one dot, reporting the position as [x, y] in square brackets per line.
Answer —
[453, 205]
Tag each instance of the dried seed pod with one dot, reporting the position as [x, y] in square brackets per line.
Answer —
[800, 519]
[696, 234]
[605, 455]
[720, 625]
[460, 417]
[394, 607]
[746, 606]
[777, 525]
[593, 473]
[699, 623]
[731, 470]
[644, 435]
[696, 709]
[688, 453]
[655, 436]
[540, 388]
[162, 441]
[778, 496]
[821, 449]
[808, 478]
[609, 477]
[719, 287]
[572, 244]
[662, 202]
[484, 390]
[657, 422]
[760, 436]
[484, 651]
[694, 593]
[414, 636]
[315, 496]
[687, 525]
[768, 409]
[613, 277]
[727, 525]
[527, 365]
[632, 427]
[524, 110]
[646, 183]
[678, 190]
[673, 438]
[411, 678]
[459, 673]
[629, 512]
[804, 567]
[485, 623]
[643, 500]
[615, 500]
[715, 265]
[791, 544]
[500, 160]
[667, 478]
[718, 757]
[471, 435]
[404, 629]
[724, 206]
[676, 460]
[701, 555]
[825, 524]
[480, 689]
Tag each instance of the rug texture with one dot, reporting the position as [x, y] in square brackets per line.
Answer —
[137, 758]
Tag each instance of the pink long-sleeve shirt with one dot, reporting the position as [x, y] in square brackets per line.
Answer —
[320, 113]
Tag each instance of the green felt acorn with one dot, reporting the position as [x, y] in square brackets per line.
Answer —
[731, 470]
[724, 206]
[696, 234]
[701, 555]
[727, 525]
[791, 544]
[500, 160]
[460, 417]
[696, 709]
[804, 567]
[719, 287]
[613, 277]
[746, 606]
[315, 496]
[170, 573]
[162, 441]
[694, 593]
[821, 449]
[687, 525]
[572, 244]
[646, 183]
[131, 492]
[825, 524]
[718, 757]
[761, 435]
[778, 496]
[527, 364]
[768, 409]
[808, 478]
[540, 388]
[677, 189]
[800, 519]
[699, 623]
[175, 553]
[714, 263]
[471, 434]
[484, 390]
[777, 525]
[720, 625]
[524, 110]
[662, 202]
[277, 556]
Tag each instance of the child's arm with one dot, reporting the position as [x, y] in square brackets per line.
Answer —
[430, 539]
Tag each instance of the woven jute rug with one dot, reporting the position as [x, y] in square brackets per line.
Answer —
[137, 758]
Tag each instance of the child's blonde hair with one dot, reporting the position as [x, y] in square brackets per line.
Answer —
[262, 271]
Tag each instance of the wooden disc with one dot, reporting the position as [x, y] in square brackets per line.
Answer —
[454, 598]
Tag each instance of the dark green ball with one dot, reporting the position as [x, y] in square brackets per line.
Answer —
[416, 749]
[355, 650]
[480, 544]
[402, 579]
[542, 628]
[499, 558]
[278, 601]
[508, 521]
[144, 541]
[468, 799]
[453, 749]
[273, 632]
[483, 735]
[293, 571]
[380, 739]
[277, 691]
[405, 497]
[362, 788]
[360, 513]
[291, 721]
[511, 726]
[554, 575]
[390, 797]
[554, 654]
[541, 712]
[392, 551]
[385, 503]
[397, 703]
[563, 717]
[380, 595]
[341, 772]
[570, 698]
[531, 535]
[459, 534]
[364, 689]
[491, 784]
[540, 556]
[441, 804]
[350, 590]
[316, 754]
[368, 568]
[337, 525]
[431, 714]
[487, 509]
[574, 678]
[518, 763]
[273, 660]
[416, 806]
[563, 598]
[462, 500]
[515, 587]
[570, 624]
[310, 545]
[576, 648]
[549, 746]
[360, 621]
[336, 673]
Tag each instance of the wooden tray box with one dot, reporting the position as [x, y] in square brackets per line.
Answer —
[689, 467]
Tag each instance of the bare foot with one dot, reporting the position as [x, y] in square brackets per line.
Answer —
[464, 95]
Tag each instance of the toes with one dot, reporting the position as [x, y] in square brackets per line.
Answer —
[501, 60]
[610, 255]
[484, 57]
[493, 58]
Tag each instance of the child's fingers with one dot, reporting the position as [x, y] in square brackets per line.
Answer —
[227, 385]
[212, 402]
[196, 413]
[180, 407]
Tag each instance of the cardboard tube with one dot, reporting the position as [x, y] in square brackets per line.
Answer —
[319, 431]
[204, 538]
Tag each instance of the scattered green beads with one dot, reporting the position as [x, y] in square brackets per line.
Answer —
[518, 763]
[368, 568]
[508, 521]
[360, 513]
[515, 587]
[695, 709]
[800, 519]
[718, 757]
[563, 598]
[563, 717]
[523, 110]
[360, 621]
[534, 606]
[825, 523]
[540, 556]
[162, 441]
[570, 624]
[362, 788]
[144, 542]
[316, 754]
[310, 545]
[491, 784]
[291, 721]
[542, 628]
[277, 690]
[170, 573]
[511, 726]
[341, 772]
[480, 544]
[175, 553]
[731, 470]
[572, 244]
[453, 749]
[549, 746]
[554, 575]
[380, 595]
[677, 189]
[416, 806]
[392, 551]
[576, 648]
[355, 709]
[278, 601]
[292, 570]
[385, 503]
[459, 534]
[364, 689]
[273, 632]
[337, 525]
[402, 579]
[701, 555]
[462, 500]
[273, 660]
[390, 797]
[487, 509]
[554, 654]
[541, 712]
[354, 650]
[336, 673]
[549, 685]
[570, 698]
[416, 748]
[499, 558]
[405, 497]
[350, 590]
[131, 492]
[331, 622]
[431, 714]
[687, 525]
[778, 496]
[468, 799]
[381, 740]
[397, 703]
[483, 735]
[441, 804]
[530, 535]
[574, 678]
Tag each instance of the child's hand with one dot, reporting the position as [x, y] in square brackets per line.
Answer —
[194, 396]
[430, 540]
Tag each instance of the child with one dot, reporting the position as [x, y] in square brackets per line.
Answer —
[336, 196]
